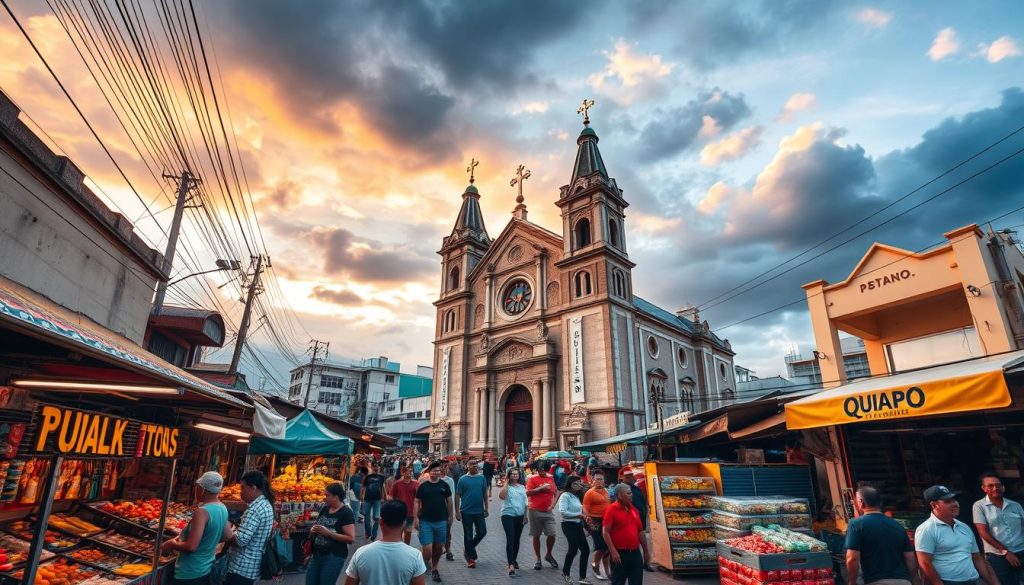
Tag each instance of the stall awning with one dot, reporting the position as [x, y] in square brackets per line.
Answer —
[960, 387]
[27, 311]
[303, 435]
[618, 442]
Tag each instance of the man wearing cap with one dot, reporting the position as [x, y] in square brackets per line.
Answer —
[1000, 523]
[946, 549]
[197, 543]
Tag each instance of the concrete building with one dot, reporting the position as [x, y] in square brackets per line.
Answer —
[540, 340]
[802, 363]
[407, 416]
[353, 391]
[960, 300]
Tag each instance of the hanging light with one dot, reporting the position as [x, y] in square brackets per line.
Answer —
[64, 385]
[222, 430]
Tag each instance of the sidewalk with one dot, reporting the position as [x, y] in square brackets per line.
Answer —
[492, 570]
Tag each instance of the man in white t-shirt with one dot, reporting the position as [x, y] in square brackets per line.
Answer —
[389, 560]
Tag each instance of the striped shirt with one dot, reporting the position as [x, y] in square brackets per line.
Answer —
[251, 538]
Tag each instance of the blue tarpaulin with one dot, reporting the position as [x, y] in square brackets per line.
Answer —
[303, 435]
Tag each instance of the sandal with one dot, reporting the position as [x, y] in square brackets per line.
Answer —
[551, 561]
[538, 566]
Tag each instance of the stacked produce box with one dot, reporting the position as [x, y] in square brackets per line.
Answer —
[688, 519]
[774, 555]
[104, 543]
[734, 516]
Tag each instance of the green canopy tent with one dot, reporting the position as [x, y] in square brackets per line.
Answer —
[303, 435]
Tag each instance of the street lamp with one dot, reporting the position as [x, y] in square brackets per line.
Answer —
[161, 291]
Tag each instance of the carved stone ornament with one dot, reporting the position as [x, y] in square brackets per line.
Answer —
[577, 416]
[542, 330]
[440, 428]
[485, 342]
[552, 294]
[515, 253]
[512, 353]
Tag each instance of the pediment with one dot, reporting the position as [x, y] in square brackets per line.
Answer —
[525, 236]
[509, 351]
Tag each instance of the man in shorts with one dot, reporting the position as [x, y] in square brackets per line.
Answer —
[540, 495]
[433, 518]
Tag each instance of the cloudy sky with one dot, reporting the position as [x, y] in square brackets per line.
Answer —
[743, 134]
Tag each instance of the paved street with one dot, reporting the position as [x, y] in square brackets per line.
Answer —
[491, 568]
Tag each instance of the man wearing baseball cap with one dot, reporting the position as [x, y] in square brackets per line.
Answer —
[946, 549]
[197, 543]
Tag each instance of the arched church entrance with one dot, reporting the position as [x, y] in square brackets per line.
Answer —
[518, 419]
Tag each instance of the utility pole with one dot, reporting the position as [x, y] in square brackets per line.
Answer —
[312, 364]
[243, 327]
[185, 183]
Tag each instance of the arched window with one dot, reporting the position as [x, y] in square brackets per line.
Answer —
[620, 283]
[583, 287]
[687, 395]
[453, 279]
[613, 232]
[448, 324]
[582, 233]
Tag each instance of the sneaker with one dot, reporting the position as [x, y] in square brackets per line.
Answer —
[585, 581]
[511, 572]
[551, 561]
[449, 556]
[516, 565]
[537, 567]
[648, 568]
[435, 576]
[599, 576]
[471, 564]
[568, 579]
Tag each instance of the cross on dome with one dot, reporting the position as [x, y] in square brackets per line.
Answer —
[585, 110]
[471, 169]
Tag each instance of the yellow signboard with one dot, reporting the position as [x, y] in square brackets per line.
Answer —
[78, 432]
[861, 403]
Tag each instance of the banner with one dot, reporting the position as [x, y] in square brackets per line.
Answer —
[577, 392]
[78, 432]
[442, 398]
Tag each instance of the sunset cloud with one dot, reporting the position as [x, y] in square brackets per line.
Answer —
[873, 17]
[731, 147]
[944, 45]
[1002, 48]
[798, 102]
[628, 75]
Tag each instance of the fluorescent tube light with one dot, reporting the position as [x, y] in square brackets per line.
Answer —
[222, 430]
[96, 387]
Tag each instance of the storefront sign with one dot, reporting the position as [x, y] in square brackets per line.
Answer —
[927, 397]
[886, 280]
[577, 393]
[77, 432]
[446, 366]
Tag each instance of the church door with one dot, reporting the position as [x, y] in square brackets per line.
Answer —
[518, 419]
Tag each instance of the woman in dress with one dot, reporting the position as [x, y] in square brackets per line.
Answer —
[333, 531]
[513, 515]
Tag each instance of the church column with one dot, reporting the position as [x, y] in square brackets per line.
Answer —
[489, 301]
[542, 297]
[499, 430]
[549, 401]
[538, 413]
[492, 436]
[477, 409]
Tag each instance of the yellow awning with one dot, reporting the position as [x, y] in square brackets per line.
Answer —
[961, 387]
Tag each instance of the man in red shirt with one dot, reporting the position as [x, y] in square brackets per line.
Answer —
[405, 489]
[540, 495]
[622, 530]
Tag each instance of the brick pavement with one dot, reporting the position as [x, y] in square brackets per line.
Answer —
[492, 570]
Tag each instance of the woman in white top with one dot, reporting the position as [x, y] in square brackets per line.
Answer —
[570, 508]
[513, 516]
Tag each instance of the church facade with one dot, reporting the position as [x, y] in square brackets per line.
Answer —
[541, 342]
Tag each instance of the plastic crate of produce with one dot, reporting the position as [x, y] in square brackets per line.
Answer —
[685, 502]
[691, 535]
[759, 505]
[775, 561]
[791, 521]
[725, 532]
[697, 555]
[688, 518]
[687, 483]
[738, 521]
[734, 572]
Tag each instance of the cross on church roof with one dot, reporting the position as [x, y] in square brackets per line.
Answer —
[585, 110]
[522, 173]
[471, 169]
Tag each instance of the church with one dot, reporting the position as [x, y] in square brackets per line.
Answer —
[541, 342]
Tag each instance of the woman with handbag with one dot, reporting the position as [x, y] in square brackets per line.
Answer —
[333, 531]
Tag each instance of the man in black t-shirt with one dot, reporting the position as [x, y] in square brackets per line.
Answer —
[371, 495]
[488, 470]
[433, 516]
[877, 545]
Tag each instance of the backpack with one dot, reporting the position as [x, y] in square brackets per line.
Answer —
[372, 485]
[271, 563]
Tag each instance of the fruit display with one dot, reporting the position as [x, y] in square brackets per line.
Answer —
[687, 519]
[289, 488]
[735, 573]
[683, 483]
[691, 535]
[701, 555]
[754, 543]
[74, 525]
[139, 546]
[685, 502]
[133, 570]
[787, 539]
[16, 550]
[759, 505]
[53, 540]
[103, 559]
[147, 513]
[60, 572]
[232, 492]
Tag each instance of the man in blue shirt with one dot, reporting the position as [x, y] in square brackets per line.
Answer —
[1000, 523]
[471, 505]
[946, 549]
[877, 544]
